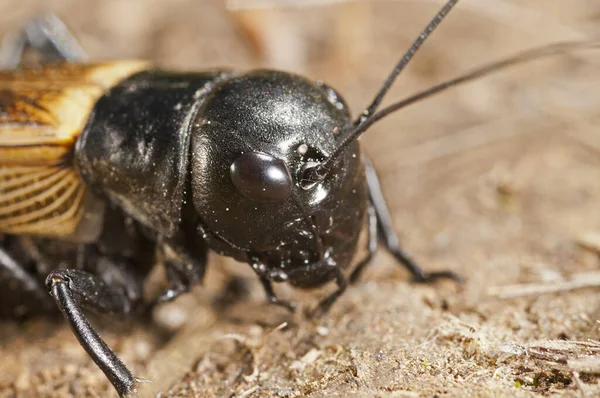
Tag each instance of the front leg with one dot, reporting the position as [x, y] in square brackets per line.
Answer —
[272, 298]
[342, 283]
[326, 268]
[21, 294]
[388, 235]
[184, 268]
[73, 289]
[266, 279]
[372, 239]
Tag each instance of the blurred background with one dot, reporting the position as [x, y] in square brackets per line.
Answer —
[498, 180]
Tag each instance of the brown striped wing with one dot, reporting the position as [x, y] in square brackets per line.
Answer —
[42, 112]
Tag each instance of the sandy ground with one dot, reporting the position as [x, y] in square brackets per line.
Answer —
[498, 180]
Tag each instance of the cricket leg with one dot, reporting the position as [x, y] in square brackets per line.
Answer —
[184, 267]
[272, 297]
[21, 294]
[73, 290]
[371, 244]
[388, 235]
[327, 302]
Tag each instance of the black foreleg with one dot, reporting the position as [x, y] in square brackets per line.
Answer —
[184, 267]
[272, 297]
[74, 289]
[21, 294]
[371, 244]
[327, 302]
[388, 235]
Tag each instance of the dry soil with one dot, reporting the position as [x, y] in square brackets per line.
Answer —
[498, 180]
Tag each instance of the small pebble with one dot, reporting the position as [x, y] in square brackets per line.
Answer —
[322, 331]
[23, 382]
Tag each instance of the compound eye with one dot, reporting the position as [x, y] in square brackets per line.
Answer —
[262, 177]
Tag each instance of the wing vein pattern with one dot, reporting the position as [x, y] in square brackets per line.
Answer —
[43, 110]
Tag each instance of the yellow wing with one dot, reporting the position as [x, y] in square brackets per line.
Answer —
[42, 112]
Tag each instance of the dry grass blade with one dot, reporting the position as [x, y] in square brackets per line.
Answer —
[579, 356]
[577, 281]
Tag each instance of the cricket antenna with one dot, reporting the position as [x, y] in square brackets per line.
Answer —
[405, 60]
[318, 172]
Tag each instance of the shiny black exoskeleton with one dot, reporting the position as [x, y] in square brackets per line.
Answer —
[184, 163]
[262, 166]
[219, 156]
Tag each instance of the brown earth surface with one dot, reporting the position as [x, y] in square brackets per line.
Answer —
[498, 180]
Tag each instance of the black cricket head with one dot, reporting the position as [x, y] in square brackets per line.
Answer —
[256, 132]
[259, 138]
[277, 175]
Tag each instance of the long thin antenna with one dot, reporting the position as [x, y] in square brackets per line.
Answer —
[319, 171]
[405, 60]
[525, 56]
